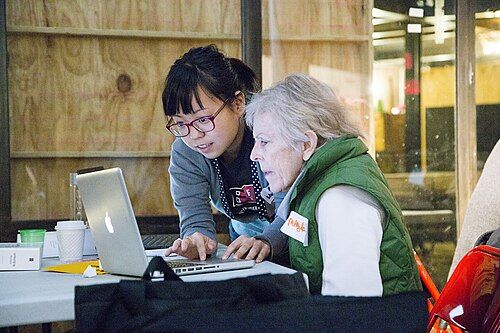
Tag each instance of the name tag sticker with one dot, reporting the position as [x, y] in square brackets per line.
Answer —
[296, 226]
[267, 195]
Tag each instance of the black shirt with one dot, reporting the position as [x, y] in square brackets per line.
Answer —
[237, 179]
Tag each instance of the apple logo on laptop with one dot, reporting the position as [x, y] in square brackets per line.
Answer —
[107, 223]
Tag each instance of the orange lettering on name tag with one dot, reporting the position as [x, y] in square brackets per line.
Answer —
[299, 226]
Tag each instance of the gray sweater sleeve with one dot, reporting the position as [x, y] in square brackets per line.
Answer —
[272, 233]
[190, 190]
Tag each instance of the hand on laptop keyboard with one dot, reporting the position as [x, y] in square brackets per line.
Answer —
[193, 247]
[245, 247]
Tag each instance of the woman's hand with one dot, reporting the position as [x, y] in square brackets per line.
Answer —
[193, 247]
[248, 248]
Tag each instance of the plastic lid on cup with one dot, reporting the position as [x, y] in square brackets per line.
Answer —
[31, 231]
[70, 225]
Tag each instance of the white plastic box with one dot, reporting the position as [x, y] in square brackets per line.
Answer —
[19, 257]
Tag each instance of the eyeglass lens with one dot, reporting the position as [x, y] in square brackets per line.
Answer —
[204, 124]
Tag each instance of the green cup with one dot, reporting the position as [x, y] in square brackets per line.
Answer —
[29, 236]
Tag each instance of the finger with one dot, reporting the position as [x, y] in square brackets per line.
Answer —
[176, 245]
[244, 248]
[199, 242]
[232, 247]
[211, 245]
[185, 244]
[254, 250]
[264, 253]
[174, 248]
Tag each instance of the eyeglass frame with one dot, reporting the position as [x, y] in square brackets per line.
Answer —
[190, 124]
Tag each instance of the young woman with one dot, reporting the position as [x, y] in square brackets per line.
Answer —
[204, 99]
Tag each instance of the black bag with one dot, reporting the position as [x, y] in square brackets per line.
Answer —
[262, 303]
[491, 238]
[401, 313]
[129, 305]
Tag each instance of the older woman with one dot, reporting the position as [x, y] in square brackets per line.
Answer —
[346, 228]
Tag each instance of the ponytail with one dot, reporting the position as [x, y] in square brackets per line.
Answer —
[245, 77]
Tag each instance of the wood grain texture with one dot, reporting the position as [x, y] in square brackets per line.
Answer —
[340, 65]
[77, 95]
[41, 186]
[320, 17]
[216, 16]
[465, 104]
[73, 102]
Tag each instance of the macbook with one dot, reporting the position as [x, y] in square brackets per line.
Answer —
[116, 235]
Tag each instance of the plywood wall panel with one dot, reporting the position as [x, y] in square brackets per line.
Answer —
[74, 102]
[340, 65]
[319, 18]
[41, 186]
[92, 86]
[214, 16]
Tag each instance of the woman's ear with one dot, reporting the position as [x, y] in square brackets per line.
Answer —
[239, 102]
[310, 145]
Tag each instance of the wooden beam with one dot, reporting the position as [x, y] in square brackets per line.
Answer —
[127, 33]
[5, 185]
[465, 111]
[368, 71]
[87, 32]
[89, 154]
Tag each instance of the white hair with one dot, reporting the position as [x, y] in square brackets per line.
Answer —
[301, 103]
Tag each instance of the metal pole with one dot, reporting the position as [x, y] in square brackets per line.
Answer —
[251, 35]
[413, 45]
[5, 202]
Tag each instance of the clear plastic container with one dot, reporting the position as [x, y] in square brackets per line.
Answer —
[77, 211]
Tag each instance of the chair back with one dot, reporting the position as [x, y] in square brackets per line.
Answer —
[434, 294]
[467, 299]
[491, 322]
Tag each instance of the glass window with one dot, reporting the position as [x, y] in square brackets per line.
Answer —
[487, 87]
[414, 98]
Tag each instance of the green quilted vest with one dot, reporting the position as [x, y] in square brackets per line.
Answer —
[345, 161]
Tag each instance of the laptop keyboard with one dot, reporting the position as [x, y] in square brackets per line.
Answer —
[158, 241]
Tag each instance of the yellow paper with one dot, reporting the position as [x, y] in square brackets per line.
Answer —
[77, 267]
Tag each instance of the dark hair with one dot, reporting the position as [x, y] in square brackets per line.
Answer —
[205, 67]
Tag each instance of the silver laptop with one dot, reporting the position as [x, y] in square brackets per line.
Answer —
[116, 235]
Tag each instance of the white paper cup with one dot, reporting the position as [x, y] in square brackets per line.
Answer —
[70, 239]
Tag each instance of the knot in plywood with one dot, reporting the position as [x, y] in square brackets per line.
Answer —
[124, 83]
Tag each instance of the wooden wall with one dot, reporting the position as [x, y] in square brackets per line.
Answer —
[85, 79]
[330, 40]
